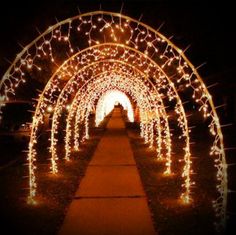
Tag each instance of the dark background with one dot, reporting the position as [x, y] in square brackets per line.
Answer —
[207, 26]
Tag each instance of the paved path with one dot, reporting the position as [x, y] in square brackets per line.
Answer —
[110, 199]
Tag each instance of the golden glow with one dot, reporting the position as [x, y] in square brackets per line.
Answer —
[49, 109]
[151, 70]
[106, 104]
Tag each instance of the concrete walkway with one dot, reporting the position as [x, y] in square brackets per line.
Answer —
[110, 199]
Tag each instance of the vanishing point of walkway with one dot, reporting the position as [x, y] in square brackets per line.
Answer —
[110, 199]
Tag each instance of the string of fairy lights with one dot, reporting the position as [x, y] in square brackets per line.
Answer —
[107, 102]
[132, 51]
[99, 84]
[172, 94]
[163, 115]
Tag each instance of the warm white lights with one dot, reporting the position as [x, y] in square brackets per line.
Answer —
[49, 109]
[114, 58]
[106, 104]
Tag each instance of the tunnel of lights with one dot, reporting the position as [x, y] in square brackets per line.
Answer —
[107, 102]
[83, 59]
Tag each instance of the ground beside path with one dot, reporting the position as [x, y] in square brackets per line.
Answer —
[110, 198]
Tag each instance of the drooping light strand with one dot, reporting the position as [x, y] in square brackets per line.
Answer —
[106, 104]
[114, 36]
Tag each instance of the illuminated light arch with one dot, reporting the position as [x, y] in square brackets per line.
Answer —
[171, 93]
[60, 104]
[181, 111]
[103, 79]
[114, 27]
[76, 100]
[106, 104]
[68, 146]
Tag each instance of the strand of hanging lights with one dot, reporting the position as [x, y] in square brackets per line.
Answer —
[121, 36]
[107, 102]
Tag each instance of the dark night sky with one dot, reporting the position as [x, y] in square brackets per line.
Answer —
[207, 26]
